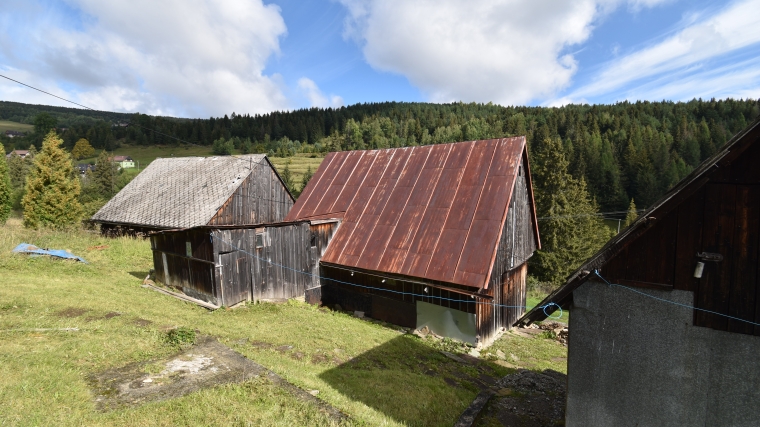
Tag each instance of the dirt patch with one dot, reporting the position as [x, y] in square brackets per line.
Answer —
[284, 349]
[143, 323]
[318, 358]
[527, 399]
[261, 345]
[207, 364]
[72, 312]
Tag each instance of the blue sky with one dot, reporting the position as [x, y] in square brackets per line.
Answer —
[198, 58]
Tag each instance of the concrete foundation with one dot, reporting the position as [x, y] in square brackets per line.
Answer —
[636, 361]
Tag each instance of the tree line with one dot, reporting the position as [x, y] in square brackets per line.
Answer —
[585, 158]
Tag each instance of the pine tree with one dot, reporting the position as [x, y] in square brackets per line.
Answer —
[571, 230]
[52, 188]
[632, 215]
[287, 177]
[17, 168]
[82, 149]
[104, 176]
[5, 188]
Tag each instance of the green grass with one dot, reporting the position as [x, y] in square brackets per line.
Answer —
[370, 371]
[8, 125]
[555, 317]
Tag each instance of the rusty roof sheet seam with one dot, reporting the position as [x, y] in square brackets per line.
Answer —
[387, 200]
[424, 212]
[448, 211]
[364, 209]
[353, 170]
[482, 190]
[409, 195]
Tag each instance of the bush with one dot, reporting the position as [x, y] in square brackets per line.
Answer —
[180, 337]
[222, 147]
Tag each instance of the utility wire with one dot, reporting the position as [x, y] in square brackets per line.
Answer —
[92, 109]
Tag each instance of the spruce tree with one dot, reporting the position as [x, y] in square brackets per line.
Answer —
[632, 214]
[104, 176]
[82, 149]
[287, 177]
[571, 229]
[5, 188]
[52, 188]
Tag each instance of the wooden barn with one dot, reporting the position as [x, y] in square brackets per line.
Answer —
[184, 192]
[225, 265]
[665, 319]
[434, 236]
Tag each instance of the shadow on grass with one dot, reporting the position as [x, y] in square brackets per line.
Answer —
[410, 381]
[139, 274]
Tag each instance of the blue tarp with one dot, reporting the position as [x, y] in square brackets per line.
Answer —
[26, 248]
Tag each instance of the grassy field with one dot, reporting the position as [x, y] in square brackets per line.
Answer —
[144, 155]
[372, 372]
[8, 125]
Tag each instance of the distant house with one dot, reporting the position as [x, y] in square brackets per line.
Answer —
[13, 133]
[225, 265]
[184, 192]
[124, 162]
[665, 319]
[20, 153]
[435, 236]
[85, 167]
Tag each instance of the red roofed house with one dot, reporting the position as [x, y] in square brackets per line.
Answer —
[435, 236]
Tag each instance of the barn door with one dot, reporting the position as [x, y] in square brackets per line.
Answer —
[729, 251]
[236, 278]
[508, 296]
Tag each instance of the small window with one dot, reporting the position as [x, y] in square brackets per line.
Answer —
[313, 240]
[188, 249]
[259, 240]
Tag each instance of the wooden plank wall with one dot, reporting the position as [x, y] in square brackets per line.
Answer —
[723, 216]
[284, 267]
[260, 198]
[516, 245]
[193, 274]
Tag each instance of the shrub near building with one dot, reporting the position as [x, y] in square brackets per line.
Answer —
[52, 188]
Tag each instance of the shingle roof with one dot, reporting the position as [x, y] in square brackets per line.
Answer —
[434, 212]
[179, 192]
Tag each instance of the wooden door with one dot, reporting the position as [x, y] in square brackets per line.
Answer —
[236, 278]
[730, 231]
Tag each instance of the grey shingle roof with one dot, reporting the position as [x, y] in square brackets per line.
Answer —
[179, 192]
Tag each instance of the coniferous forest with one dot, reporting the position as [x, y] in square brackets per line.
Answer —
[623, 151]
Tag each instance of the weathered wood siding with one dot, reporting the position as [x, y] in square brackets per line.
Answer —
[283, 266]
[193, 271]
[226, 266]
[722, 217]
[261, 198]
[516, 245]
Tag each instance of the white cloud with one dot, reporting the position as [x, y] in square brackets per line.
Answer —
[175, 57]
[316, 97]
[510, 52]
[688, 64]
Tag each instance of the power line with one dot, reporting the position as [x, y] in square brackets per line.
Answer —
[92, 109]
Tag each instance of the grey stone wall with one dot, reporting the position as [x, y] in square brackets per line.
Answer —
[636, 361]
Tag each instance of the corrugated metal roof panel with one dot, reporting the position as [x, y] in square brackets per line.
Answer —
[432, 212]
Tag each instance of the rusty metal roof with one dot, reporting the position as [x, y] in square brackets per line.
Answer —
[434, 212]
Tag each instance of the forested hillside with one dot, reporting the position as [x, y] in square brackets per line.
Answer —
[622, 151]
